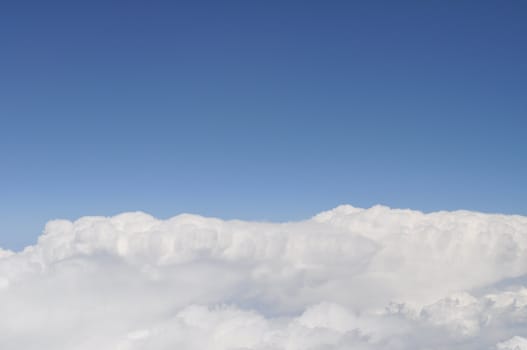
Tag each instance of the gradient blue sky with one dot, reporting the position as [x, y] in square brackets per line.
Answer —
[266, 110]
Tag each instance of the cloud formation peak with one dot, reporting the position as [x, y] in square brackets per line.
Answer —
[348, 278]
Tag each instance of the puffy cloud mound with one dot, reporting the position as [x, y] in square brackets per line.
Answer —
[348, 278]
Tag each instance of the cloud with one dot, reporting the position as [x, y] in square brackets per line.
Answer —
[515, 343]
[348, 278]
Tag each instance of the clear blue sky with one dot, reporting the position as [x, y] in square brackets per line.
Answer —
[266, 110]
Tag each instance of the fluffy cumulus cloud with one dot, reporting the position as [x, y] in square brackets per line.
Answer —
[348, 278]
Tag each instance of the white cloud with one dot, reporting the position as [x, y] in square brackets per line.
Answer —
[349, 278]
[515, 343]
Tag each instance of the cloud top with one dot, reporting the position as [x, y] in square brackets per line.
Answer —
[348, 278]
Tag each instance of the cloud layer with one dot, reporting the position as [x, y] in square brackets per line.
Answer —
[348, 278]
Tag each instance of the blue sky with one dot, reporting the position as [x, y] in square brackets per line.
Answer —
[260, 110]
